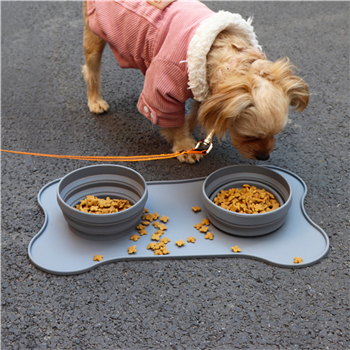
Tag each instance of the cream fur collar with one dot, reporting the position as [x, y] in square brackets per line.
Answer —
[202, 41]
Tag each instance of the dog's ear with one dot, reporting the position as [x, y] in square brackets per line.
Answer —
[298, 93]
[294, 87]
[221, 109]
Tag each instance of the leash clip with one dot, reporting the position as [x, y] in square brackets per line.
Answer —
[205, 145]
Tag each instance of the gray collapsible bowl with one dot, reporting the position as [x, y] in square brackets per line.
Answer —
[247, 225]
[114, 181]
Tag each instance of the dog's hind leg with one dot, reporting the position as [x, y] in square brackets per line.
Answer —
[93, 49]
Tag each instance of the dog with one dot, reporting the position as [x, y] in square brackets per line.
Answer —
[185, 51]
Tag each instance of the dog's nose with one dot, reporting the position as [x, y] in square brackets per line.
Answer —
[262, 157]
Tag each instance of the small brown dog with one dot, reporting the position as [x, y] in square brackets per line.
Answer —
[185, 50]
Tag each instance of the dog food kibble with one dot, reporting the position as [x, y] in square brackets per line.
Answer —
[162, 227]
[205, 222]
[191, 239]
[98, 257]
[132, 250]
[159, 232]
[143, 232]
[165, 251]
[148, 217]
[145, 210]
[196, 209]
[204, 229]
[236, 249]
[135, 238]
[151, 245]
[164, 218]
[180, 243]
[209, 235]
[198, 226]
[298, 260]
[248, 200]
[94, 205]
[155, 237]
[158, 247]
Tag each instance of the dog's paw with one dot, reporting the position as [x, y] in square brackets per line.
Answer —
[185, 146]
[98, 106]
[190, 158]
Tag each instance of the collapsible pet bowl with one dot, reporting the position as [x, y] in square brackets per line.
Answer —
[246, 225]
[102, 181]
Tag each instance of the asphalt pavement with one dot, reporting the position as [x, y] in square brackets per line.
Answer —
[226, 303]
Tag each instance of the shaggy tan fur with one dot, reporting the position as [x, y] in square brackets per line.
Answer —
[248, 95]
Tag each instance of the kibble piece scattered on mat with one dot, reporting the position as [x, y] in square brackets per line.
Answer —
[159, 248]
[98, 257]
[165, 251]
[159, 232]
[156, 224]
[298, 260]
[135, 237]
[209, 235]
[149, 217]
[236, 249]
[145, 210]
[155, 237]
[143, 232]
[191, 239]
[159, 245]
[196, 209]
[198, 226]
[162, 227]
[151, 245]
[164, 218]
[140, 227]
[204, 229]
[180, 243]
[132, 250]
[205, 222]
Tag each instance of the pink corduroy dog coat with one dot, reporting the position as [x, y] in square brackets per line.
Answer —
[154, 41]
[168, 45]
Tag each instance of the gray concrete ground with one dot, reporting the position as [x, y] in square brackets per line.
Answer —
[180, 304]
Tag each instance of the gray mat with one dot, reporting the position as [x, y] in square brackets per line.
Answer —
[57, 250]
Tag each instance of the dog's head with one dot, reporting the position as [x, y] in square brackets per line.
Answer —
[251, 100]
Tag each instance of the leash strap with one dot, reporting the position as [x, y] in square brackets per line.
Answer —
[113, 159]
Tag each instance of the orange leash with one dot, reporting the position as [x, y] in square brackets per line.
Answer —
[113, 159]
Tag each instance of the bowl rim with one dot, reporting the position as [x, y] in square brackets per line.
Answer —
[247, 215]
[109, 215]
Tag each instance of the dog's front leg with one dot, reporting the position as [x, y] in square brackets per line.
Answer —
[181, 137]
[93, 49]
